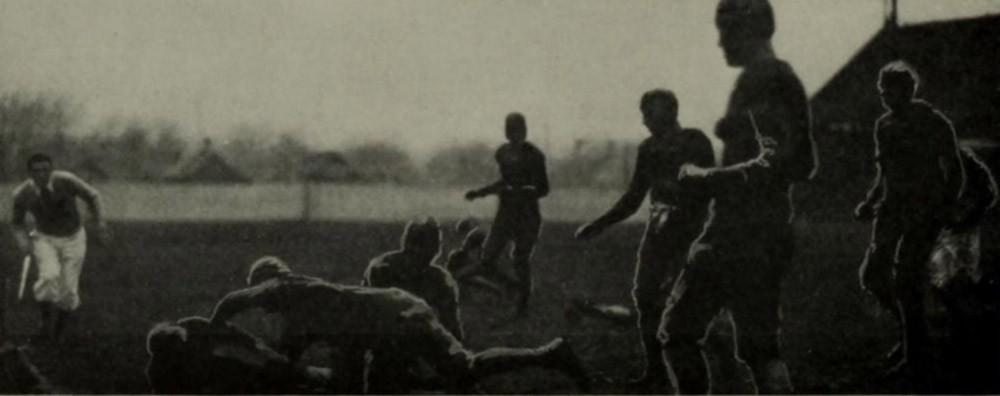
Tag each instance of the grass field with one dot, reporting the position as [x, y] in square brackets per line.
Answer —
[833, 337]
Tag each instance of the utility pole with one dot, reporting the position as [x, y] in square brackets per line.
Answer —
[891, 14]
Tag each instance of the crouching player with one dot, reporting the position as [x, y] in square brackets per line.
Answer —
[193, 355]
[412, 269]
[389, 322]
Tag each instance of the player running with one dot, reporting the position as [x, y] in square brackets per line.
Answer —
[58, 244]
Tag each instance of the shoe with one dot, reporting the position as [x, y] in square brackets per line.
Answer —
[562, 357]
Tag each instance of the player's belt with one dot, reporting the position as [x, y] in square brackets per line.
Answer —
[660, 207]
[659, 213]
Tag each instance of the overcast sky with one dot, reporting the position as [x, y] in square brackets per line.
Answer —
[423, 73]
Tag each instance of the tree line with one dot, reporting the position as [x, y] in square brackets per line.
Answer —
[134, 150]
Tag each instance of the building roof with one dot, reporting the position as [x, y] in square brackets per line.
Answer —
[959, 66]
[958, 62]
[328, 166]
[206, 166]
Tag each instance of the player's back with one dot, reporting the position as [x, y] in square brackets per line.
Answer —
[910, 144]
[429, 282]
[323, 308]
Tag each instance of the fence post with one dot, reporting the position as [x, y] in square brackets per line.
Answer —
[306, 200]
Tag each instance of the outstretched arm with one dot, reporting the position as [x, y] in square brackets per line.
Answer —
[627, 205]
[487, 190]
[260, 296]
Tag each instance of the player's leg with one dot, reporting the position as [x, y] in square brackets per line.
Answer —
[73, 251]
[46, 288]
[875, 274]
[497, 239]
[695, 299]
[756, 312]
[524, 246]
[912, 285]
[556, 355]
[649, 295]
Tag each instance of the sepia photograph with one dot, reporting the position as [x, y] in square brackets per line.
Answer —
[499, 197]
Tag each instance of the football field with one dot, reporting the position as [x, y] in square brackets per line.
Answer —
[833, 337]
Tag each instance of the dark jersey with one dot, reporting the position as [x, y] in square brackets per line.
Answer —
[523, 178]
[430, 282]
[916, 152]
[656, 167]
[768, 101]
[54, 206]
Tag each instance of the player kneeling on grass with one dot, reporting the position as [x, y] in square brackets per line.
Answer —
[387, 322]
[193, 355]
[412, 269]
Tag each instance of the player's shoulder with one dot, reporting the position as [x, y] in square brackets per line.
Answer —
[769, 72]
[929, 112]
[24, 188]
[439, 273]
[64, 176]
[694, 137]
[383, 261]
[884, 119]
[531, 147]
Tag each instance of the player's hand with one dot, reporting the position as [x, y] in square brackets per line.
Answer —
[691, 171]
[588, 231]
[472, 195]
[864, 211]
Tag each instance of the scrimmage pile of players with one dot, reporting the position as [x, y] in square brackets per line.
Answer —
[717, 237]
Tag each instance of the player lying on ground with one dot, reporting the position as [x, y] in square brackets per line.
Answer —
[387, 322]
[193, 355]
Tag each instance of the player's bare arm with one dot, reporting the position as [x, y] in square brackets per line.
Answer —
[259, 296]
[627, 205]
[92, 198]
[866, 209]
